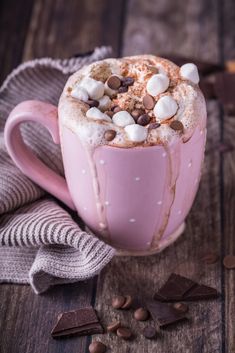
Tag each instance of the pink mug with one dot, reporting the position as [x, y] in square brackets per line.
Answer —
[135, 199]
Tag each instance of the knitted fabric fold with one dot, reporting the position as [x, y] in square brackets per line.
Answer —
[41, 242]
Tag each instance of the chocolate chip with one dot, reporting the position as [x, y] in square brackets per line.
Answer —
[136, 113]
[128, 302]
[124, 333]
[177, 125]
[92, 103]
[116, 109]
[154, 126]
[229, 262]
[143, 119]
[109, 135]
[114, 82]
[148, 102]
[118, 301]
[109, 113]
[149, 332]
[81, 322]
[97, 347]
[210, 258]
[141, 314]
[164, 314]
[122, 89]
[113, 326]
[182, 307]
[127, 81]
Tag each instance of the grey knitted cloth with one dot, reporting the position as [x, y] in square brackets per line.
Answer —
[40, 243]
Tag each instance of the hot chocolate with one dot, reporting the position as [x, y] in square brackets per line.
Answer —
[129, 96]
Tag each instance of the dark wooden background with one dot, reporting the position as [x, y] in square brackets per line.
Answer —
[202, 29]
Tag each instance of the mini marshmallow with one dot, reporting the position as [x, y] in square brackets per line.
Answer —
[94, 88]
[136, 133]
[109, 91]
[165, 108]
[80, 93]
[157, 84]
[189, 72]
[104, 103]
[123, 118]
[96, 114]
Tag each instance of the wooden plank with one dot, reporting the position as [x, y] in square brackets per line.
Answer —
[174, 27]
[26, 319]
[228, 191]
[58, 28]
[61, 29]
[14, 21]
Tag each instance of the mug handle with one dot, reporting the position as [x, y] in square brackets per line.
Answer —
[47, 115]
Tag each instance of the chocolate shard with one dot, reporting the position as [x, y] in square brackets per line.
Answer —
[224, 88]
[175, 288]
[82, 322]
[201, 292]
[204, 67]
[164, 314]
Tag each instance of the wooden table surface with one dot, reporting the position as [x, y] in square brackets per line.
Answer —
[198, 28]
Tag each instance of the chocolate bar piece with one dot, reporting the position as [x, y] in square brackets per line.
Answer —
[82, 322]
[175, 288]
[164, 314]
[179, 288]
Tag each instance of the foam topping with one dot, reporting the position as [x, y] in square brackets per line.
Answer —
[136, 100]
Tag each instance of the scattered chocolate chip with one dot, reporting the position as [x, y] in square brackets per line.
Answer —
[143, 119]
[92, 103]
[148, 102]
[149, 332]
[124, 333]
[229, 262]
[127, 81]
[118, 301]
[97, 347]
[136, 113]
[109, 135]
[117, 109]
[182, 307]
[82, 322]
[109, 113]
[177, 125]
[141, 314]
[210, 258]
[181, 288]
[154, 126]
[122, 89]
[113, 326]
[128, 302]
[114, 82]
[165, 314]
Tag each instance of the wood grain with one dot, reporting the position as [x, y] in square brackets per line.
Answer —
[61, 29]
[174, 28]
[14, 22]
[228, 190]
[57, 29]
[26, 319]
